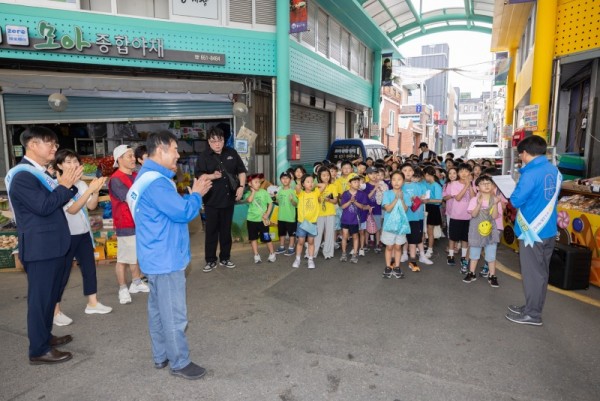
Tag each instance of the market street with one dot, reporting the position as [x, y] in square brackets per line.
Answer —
[339, 332]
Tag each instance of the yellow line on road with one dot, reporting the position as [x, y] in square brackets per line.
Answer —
[570, 294]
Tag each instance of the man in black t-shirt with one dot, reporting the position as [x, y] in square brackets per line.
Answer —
[225, 168]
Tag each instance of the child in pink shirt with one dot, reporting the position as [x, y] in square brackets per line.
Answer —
[460, 193]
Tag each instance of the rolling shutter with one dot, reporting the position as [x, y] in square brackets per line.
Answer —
[23, 109]
[313, 127]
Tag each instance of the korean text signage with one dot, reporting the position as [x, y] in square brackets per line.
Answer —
[530, 117]
[196, 8]
[101, 44]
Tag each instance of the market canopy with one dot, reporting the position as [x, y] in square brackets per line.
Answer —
[405, 20]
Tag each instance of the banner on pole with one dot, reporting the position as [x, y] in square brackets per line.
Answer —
[298, 16]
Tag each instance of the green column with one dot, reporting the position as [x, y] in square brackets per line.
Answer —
[376, 87]
[283, 85]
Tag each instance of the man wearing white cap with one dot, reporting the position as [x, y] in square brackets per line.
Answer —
[119, 184]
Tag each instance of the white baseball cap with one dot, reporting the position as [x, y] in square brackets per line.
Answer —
[118, 152]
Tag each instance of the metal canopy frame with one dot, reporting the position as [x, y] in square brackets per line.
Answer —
[403, 20]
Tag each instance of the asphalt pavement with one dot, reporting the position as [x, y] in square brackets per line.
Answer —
[338, 332]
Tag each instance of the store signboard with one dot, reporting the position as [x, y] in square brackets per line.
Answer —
[530, 117]
[196, 8]
[76, 40]
[17, 35]
[415, 118]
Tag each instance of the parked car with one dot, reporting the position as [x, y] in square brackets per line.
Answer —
[456, 152]
[484, 150]
[352, 149]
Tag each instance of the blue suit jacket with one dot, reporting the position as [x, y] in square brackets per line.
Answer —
[41, 223]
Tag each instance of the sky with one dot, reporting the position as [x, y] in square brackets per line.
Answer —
[466, 48]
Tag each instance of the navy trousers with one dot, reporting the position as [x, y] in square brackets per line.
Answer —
[83, 251]
[43, 289]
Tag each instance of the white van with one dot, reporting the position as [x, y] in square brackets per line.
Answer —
[484, 150]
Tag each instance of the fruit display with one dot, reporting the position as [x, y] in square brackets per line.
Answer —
[8, 242]
[105, 164]
[4, 220]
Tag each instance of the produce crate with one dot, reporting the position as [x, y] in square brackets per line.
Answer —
[7, 260]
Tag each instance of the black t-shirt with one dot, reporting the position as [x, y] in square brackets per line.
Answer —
[220, 195]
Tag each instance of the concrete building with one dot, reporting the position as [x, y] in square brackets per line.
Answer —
[436, 94]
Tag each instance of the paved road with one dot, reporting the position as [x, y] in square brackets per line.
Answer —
[340, 332]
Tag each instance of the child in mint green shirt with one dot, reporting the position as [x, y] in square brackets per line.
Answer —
[286, 216]
[258, 218]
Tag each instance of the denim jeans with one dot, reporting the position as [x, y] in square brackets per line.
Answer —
[167, 318]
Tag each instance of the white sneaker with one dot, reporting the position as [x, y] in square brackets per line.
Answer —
[296, 263]
[351, 252]
[272, 258]
[124, 297]
[429, 253]
[141, 287]
[311, 264]
[425, 260]
[62, 320]
[99, 308]
[257, 259]
[361, 252]
[404, 257]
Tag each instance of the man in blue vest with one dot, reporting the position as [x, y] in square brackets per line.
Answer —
[163, 248]
[44, 237]
[535, 197]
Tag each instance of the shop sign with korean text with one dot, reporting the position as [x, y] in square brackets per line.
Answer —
[120, 45]
[530, 117]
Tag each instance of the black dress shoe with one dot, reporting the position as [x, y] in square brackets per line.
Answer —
[161, 365]
[56, 341]
[51, 357]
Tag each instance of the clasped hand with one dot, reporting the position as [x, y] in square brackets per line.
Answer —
[69, 176]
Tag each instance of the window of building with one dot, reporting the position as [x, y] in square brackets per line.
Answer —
[345, 49]
[335, 32]
[323, 33]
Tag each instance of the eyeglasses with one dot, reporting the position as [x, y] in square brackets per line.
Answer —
[51, 144]
[216, 140]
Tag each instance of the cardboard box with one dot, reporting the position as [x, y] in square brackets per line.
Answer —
[111, 249]
[99, 252]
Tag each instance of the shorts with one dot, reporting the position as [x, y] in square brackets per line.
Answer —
[416, 232]
[286, 228]
[300, 233]
[458, 230]
[490, 252]
[388, 238]
[434, 215]
[352, 228]
[363, 226]
[257, 230]
[126, 251]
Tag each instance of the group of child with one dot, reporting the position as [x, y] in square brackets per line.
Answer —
[398, 205]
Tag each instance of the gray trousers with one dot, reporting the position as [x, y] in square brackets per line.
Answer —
[535, 263]
[325, 233]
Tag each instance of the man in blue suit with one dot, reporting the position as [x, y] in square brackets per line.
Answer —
[44, 238]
